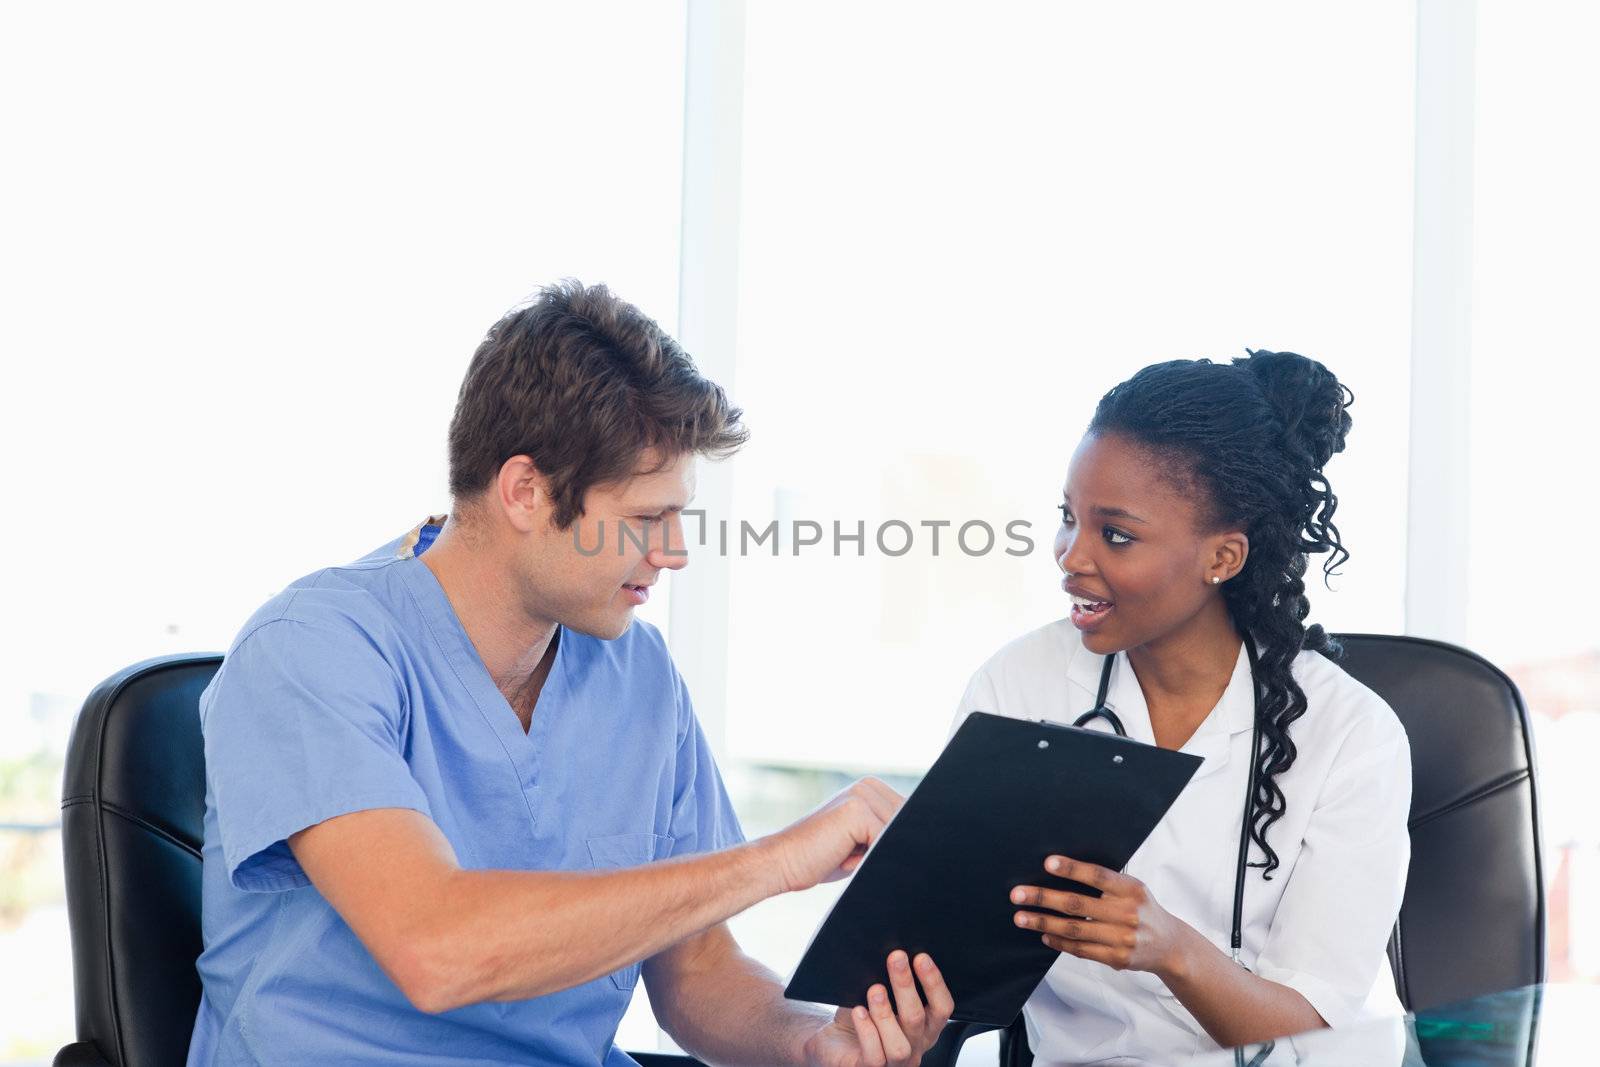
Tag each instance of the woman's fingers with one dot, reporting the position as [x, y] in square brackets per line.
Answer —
[1093, 875]
[1089, 950]
[1112, 934]
[1105, 909]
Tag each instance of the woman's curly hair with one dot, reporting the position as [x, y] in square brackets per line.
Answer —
[1248, 440]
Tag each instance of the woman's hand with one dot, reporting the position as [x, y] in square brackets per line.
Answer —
[1123, 928]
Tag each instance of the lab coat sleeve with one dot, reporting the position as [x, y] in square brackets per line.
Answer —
[1328, 936]
[980, 696]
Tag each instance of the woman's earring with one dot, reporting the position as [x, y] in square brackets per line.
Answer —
[1215, 580]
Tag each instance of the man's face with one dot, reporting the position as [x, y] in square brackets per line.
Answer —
[591, 576]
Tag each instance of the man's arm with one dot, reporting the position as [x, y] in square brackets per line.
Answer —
[450, 937]
[723, 1006]
[727, 1009]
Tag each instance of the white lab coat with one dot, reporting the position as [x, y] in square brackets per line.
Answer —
[1319, 926]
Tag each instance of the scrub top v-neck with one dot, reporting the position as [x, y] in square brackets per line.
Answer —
[358, 688]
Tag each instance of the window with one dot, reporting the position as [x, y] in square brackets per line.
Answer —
[959, 230]
[1535, 373]
[248, 255]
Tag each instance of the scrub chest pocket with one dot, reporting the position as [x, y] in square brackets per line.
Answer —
[627, 850]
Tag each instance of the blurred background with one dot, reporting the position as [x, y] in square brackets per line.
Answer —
[247, 251]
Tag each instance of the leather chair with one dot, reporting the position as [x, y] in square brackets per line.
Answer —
[1475, 846]
[1476, 860]
[133, 801]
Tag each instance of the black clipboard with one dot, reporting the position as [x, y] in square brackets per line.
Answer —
[1003, 795]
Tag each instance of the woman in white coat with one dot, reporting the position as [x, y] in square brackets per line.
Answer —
[1187, 515]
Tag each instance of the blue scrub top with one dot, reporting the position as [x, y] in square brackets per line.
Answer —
[357, 688]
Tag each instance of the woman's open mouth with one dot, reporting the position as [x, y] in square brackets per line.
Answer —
[1089, 614]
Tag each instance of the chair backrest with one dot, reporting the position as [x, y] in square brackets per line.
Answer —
[1473, 918]
[132, 809]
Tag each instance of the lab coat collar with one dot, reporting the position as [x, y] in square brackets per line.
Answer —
[1235, 712]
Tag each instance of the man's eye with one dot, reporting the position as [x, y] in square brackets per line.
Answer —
[1113, 537]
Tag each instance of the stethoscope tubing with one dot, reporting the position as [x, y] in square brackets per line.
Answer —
[1100, 711]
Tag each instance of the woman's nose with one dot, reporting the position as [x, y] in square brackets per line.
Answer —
[1071, 560]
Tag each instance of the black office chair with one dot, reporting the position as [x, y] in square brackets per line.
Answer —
[1475, 854]
[133, 800]
[1476, 862]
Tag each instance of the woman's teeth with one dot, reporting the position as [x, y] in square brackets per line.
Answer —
[1089, 605]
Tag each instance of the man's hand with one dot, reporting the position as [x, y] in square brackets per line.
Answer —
[829, 843]
[885, 1034]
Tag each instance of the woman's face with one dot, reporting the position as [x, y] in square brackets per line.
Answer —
[1130, 542]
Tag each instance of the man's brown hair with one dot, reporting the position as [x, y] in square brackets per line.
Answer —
[583, 382]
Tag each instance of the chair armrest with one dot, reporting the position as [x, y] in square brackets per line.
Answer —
[80, 1054]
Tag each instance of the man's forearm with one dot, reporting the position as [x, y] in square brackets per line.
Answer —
[510, 935]
[729, 1010]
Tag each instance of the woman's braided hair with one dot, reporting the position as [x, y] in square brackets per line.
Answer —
[1249, 441]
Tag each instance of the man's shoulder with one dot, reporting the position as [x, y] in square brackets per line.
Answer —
[318, 637]
[330, 601]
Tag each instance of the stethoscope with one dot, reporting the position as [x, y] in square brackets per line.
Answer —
[1100, 711]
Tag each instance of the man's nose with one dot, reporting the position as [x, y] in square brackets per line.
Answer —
[673, 552]
[672, 558]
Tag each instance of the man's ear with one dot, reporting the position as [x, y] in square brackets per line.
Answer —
[522, 494]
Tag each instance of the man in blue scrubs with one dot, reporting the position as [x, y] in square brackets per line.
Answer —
[457, 797]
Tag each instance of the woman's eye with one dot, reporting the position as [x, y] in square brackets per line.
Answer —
[1066, 516]
[1117, 537]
